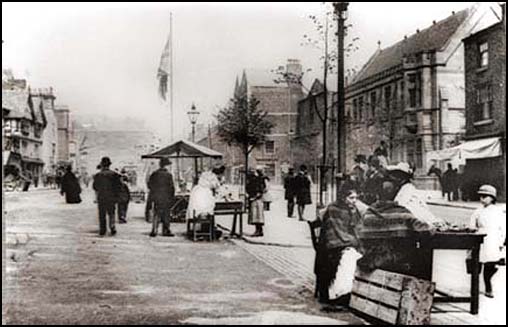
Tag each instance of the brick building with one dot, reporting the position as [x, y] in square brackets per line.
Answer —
[411, 94]
[485, 64]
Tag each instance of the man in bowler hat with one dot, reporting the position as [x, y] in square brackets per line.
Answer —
[106, 183]
[162, 191]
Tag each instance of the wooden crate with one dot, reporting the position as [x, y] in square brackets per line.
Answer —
[392, 298]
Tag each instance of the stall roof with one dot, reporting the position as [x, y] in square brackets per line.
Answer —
[183, 149]
[476, 149]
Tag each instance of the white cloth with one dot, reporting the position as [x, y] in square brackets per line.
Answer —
[202, 200]
[491, 221]
[343, 283]
[409, 197]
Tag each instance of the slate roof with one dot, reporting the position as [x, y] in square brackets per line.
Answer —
[17, 102]
[435, 37]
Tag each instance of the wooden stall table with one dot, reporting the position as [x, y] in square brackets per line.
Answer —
[234, 208]
[420, 248]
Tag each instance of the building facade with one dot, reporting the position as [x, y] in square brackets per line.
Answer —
[411, 94]
[485, 65]
[23, 130]
[46, 99]
[63, 122]
[307, 143]
[280, 102]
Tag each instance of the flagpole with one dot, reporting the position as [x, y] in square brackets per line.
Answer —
[171, 75]
[171, 95]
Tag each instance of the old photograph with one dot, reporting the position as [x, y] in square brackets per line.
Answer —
[322, 163]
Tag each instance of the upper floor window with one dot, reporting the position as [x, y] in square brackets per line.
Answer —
[483, 103]
[373, 104]
[388, 98]
[270, 147]
[484, 54]
[415, 90]
[355, 109]
[360, 108]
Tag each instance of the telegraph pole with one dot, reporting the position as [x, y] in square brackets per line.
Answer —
[340, 12]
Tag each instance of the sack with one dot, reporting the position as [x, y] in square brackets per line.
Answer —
[469, 266]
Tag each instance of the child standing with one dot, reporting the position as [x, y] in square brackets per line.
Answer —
[124, 197]
[490, 220]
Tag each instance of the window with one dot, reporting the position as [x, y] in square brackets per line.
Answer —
[415, 90]
[355, 109]
[270, 147]
[484, 54]
[373, 103]
[360, 108]
[483, 103]
[388, 99]
[418, 153]
[312, 109]
[402, 92]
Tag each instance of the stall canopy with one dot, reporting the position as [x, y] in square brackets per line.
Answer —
[477, 149]
[184, 149]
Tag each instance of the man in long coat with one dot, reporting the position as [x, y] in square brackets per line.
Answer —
[70, 187]
[106, 183]
[162, 191]
[289, 191]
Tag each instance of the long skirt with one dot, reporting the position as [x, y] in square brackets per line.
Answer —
[256, 212]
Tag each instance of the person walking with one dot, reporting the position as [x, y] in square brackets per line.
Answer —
[490, 220]
[70, 187]
[124, 196]
[302, 187]
[162, 192]
[447, 182]
[289, 191]
[106, 185]
[255, 195]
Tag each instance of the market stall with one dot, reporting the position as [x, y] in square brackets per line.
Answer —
[179, 150]
[404, 245]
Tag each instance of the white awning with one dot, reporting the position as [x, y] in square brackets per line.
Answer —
[476, 149]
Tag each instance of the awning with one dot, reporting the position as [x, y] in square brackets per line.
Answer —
[184, 149]
[476, 149]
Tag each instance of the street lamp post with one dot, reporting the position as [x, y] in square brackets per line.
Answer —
[193, 118]
[341, 14]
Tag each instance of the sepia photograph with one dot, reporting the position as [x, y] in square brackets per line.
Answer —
[254, 163]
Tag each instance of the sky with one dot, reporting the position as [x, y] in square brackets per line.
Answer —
[103, 58]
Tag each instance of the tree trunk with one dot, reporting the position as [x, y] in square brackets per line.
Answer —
[246, 153]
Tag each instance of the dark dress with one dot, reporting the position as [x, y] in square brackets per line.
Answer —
[302, 189]
[339, 230]
[71, 188]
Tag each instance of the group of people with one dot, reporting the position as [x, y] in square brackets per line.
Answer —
[297, 190]
[340, 247]
[451, 181]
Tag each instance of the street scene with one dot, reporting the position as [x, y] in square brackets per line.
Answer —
[254, 163]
